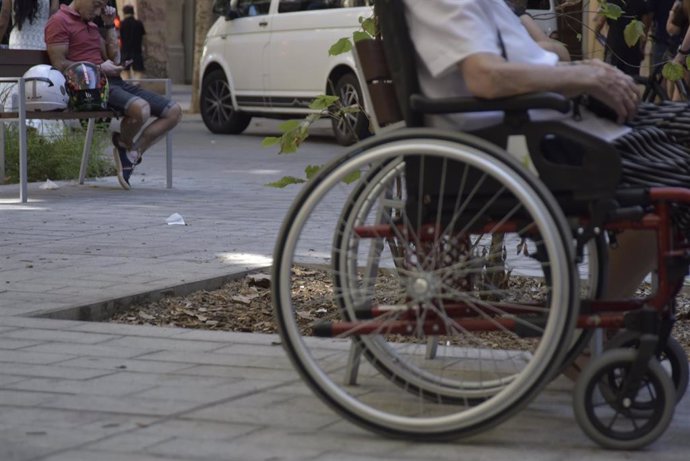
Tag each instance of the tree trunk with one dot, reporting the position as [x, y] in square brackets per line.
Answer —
[152, 14]
[204, 21]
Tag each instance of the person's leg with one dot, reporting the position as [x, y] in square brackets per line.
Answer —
[168, 114]
[136, 115]
[629, 263]
[135, 112]
[156, 130]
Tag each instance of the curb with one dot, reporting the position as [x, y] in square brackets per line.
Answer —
[104, 310]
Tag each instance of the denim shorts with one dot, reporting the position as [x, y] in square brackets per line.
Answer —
[122, 94]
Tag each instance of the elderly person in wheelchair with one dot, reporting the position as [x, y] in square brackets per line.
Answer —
[501, 149]
[479, 49]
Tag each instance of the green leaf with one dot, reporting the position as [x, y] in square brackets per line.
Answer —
[289, 144]
[323, 102]
[289, 125]
[687, 62]
[285, 181]
[369, 25]
[341, 46]
[269, 141]
[611, 11]
[672, 71]
[352, 177]
[358, 36]
[633, 32]
[311, 170]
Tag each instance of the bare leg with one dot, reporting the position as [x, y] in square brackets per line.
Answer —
[156, 130]
[630, 263]
[136, 115]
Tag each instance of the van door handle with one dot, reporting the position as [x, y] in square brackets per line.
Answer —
[263, 23]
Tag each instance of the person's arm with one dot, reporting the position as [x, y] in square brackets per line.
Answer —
[542, 39]
[5, 14]
[646, 20]
[110, 49]
[673, 28]
[490, 76]
[58, 55]
[599, 22]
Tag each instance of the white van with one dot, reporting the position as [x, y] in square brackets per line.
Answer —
[269, 58]
[544, 13]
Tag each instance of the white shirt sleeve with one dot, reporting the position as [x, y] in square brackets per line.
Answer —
[447, 31]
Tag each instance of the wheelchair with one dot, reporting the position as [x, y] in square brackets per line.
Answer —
[463, 279]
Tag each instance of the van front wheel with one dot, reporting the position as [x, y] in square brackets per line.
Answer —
[217, 111]
[352, 124]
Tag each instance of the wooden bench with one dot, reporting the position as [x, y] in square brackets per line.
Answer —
[13, 65]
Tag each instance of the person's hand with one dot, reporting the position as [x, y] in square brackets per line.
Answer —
[680, 59]
[108, 15]
[614, 88]
[111, 69]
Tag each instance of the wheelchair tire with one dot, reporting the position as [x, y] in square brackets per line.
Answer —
[385, 183]
[672, 358]
[396, 391]
[610, 419]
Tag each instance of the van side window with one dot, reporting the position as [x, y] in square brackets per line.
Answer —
[291, 6]
[538, 4]
[253, 7]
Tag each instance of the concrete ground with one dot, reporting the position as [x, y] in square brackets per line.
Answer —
[76, 390]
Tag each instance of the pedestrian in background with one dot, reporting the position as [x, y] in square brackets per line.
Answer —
[132, 38]
[664, 46]
[618, 53]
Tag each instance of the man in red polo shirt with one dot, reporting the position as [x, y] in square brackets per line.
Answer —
[72, 36]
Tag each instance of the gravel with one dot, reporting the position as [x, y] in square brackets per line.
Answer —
[244, 305]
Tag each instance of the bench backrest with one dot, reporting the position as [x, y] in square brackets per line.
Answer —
[14, 63]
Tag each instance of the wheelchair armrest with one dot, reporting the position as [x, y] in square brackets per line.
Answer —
[520, 103]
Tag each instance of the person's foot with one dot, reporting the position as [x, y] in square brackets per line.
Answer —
[134, 157]
[124, 167]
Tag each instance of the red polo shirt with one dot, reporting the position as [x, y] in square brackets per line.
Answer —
[66, 27]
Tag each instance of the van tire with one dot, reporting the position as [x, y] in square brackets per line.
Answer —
[352, 127]
[217, 111]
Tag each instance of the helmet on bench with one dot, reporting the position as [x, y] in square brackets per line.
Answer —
[44, 89]
[87, 87]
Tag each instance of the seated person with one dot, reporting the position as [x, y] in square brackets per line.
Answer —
[479, 48]
[72, 36]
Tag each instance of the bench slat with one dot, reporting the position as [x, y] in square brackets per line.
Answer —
[65, 115]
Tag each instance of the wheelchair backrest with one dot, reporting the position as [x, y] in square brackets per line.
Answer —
[400, 57]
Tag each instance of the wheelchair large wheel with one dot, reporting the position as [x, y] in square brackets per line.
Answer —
[380, 198]
[402, 278]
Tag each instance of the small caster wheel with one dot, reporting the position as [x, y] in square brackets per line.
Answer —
[612, 418]
[672, 358]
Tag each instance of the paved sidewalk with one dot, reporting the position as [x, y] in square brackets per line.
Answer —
[75, 390]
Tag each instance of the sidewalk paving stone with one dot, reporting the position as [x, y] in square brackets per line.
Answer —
[72, 390]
